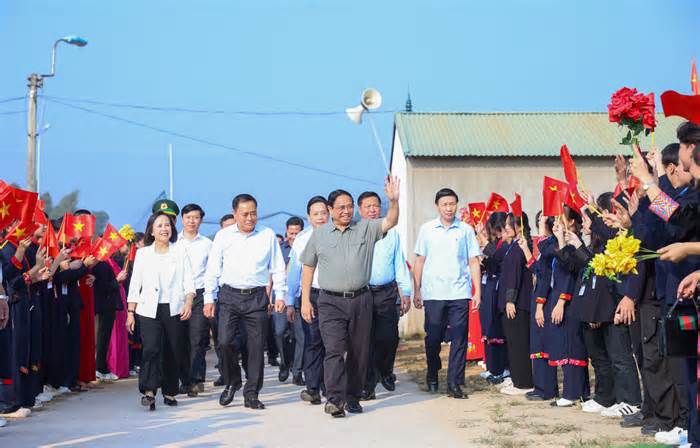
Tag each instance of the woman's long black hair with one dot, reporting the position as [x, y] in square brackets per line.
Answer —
[148, 238]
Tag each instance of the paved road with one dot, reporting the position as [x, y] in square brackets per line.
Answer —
[113, 417]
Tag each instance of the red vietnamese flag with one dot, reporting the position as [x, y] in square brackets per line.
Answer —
[632, 184]
[497, 203]
[567, 162]
[7, 209]
[25, 203]
[554, 194]
[102, 249]
[81, 249]
[113, 237]
[685, 106]
[50, 242]
[517, 206]
[39, 215]
[477, 210]
[82, 226]
[694, 79]
[132, 254]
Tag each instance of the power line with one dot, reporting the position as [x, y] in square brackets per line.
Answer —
[210, 143]
[14, 112]
[9, 100]
[211, 111]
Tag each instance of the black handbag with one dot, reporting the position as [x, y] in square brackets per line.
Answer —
[679, 331]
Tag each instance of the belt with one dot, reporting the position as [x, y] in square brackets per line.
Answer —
[315, 290]
[245, 292]
[347, 294]
[390, 285]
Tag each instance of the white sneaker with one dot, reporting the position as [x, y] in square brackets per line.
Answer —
[506, 383]
[62, 390]
[592, 406]
[37, 405]
[512, 390]
[485, 374]
[505, 374]
[3, 422]
[111, 377]
[19, 413]
[564, 403]
[672, 437]
[44, 397]
[99, 375]
[481, 364]
[49, 390]
[619, 410]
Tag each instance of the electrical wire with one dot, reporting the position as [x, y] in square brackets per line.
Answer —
[14, 98]
[14, 112]
[210, 143]
[210, 111]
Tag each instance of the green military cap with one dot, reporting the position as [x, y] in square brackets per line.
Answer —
[166, 206]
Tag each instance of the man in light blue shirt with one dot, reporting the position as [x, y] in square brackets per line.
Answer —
[389, 269]
[447, 260]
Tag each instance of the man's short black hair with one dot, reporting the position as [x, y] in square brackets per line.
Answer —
[688, 133]
[335, 194]
[81, 211]
[244, 197]
[315, 200]
[295, 221]
[192, 208]
[445, 192]
[670, 154]
[368, 194]
[226, 217]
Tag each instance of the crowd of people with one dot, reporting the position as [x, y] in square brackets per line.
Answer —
[325, 302]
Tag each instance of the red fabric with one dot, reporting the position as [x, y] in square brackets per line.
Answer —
[685, 106]
[39, 215]
[50, 242]
[497, 203]
[132, 255]
[88, 365]
[82, 226]
[567, 162]
[475, 346]
[694, 79]
[477, 210]
[554, 193]
[517, 206]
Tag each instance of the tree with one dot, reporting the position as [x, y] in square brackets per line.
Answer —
[68, 204]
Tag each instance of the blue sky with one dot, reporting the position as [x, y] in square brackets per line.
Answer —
[297, 55]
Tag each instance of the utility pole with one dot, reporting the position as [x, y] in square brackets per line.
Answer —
[35, 83]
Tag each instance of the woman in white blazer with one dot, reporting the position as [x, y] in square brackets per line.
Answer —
[161, 294]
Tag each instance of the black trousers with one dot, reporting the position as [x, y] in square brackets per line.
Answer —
[667, 404]
[104, 322]
[249, 311]
[314, 351]
[199, 327]
[162, 340]
[346, 329]
[517, 332]
[616, 377]
[72, 360]
[438, 315]
[385, 335]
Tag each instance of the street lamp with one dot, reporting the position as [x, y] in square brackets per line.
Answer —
[36, 81]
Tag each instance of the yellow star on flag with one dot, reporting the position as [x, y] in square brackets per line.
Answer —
[476, 213]
[19, 232]
[113, 236]
[78, 227]
[496, 204]
[554, 188]
[102, 252]
[4, 210]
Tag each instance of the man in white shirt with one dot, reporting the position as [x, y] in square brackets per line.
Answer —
[317, 211]
[241, 260]
[197, 249]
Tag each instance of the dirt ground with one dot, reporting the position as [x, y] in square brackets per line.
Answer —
[489, 418]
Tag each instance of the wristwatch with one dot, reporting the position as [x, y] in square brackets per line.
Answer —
[646, 185]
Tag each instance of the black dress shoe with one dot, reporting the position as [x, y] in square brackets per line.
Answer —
[310, 396]
[650, 429]
[183, 389]
[455, 391]
[389, 382]
[368, 395]
[227, 396]
[193, 392]
[534, 396]
[298, 380]
[432, 383]
[219, 382]
[632, 421]
[200, 387]
[353, 407]
[334, 411]
[169, 401]
[253, 403]
[284, 374]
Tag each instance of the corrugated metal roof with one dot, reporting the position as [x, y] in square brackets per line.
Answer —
[451, 134]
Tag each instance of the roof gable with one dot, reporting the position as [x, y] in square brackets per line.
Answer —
[527, 134]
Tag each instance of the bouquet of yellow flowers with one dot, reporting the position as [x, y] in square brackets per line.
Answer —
[620, 257]
[127, 232]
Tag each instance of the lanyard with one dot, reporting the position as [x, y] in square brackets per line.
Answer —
[554, 266]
